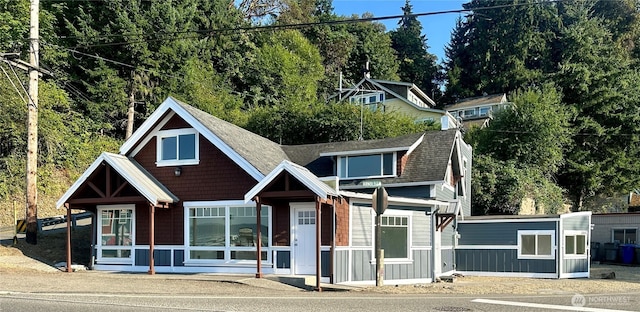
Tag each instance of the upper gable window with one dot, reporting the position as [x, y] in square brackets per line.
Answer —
[367, 166]
[177, 147]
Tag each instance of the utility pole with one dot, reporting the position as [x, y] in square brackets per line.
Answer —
[32, 127]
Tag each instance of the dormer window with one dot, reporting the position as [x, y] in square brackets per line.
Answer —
[177, 147]
[367, 166]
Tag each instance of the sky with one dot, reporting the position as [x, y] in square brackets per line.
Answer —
[437, 28]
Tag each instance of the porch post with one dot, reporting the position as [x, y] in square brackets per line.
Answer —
[318, 245]
[152, 236]
[333, 241]
[69, 270]
[259, 239]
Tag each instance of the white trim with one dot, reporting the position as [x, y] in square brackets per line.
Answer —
[367, 152]
[575, 214]
[415, 145]
[176, 133]
[425, 183]
[487, 247]
[509, 274]
[575, 233]
[510, 220]
[171, 104]
[227, 248]
[302, 174]
[392, 199]
[186, 269]
[131, 248]
[575, 275]
[537, 233]
[394, 213]
[152, 134]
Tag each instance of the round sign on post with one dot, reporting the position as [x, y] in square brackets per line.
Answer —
[380, 199]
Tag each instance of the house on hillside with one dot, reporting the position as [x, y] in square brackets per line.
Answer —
[402, 97]
[189, 192]
[478, 111]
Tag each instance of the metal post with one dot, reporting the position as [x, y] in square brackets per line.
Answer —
[379, 252]
[69, 269]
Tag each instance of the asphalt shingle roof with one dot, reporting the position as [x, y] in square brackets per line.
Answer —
[264, 154]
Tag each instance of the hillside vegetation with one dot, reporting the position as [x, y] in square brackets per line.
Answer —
[570, 67]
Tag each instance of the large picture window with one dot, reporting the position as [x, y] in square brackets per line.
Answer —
[116, 233]
[536, 245]
[177, 147]
[395, 237]
[226, 232]
[367, 166]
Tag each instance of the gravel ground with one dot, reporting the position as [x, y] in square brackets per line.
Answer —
[21, 273]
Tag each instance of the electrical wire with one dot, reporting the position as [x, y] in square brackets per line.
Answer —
[210, 32]
[14, 85]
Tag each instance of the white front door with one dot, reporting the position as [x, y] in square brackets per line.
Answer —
[304, 238]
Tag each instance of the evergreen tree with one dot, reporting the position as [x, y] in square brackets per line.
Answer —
[417, 65]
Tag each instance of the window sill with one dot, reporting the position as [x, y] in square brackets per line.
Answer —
[223, 263]
[177, 163]
[576, 257]
[393, 261]
[536, 257]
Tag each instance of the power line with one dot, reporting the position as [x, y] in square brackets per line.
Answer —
[209, 32]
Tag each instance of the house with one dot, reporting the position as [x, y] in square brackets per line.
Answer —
[189, 192]
[477, 111]
[542, 246]
[395, 96]
[621, 228]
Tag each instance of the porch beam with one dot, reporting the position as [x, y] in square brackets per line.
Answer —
[69, 269]
[288, 194]
[318, 245]
[112, 200]
[152, 236]
[259, 239]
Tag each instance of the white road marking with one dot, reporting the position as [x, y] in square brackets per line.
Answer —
[545, 306]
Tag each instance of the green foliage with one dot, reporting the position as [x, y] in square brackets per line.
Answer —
[417, 65]
[328, 123]
[534, 132]
[498, 187]
[286, 71]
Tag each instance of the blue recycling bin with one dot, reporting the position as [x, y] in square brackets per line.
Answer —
[627, 251]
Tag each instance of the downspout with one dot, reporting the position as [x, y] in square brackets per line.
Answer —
[318, 245]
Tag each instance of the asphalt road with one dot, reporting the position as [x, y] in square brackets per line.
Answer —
[303, 302]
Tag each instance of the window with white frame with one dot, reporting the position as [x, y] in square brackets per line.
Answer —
[225, 232]
[469, 113]
[536, 244]
[485, 111]
[575, 243]
[116, 232]
[395, 237]
[367, 166]
[177, 147]
[624, 236]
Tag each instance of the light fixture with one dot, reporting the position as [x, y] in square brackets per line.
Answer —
[178, 171]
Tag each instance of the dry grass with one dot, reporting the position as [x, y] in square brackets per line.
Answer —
[51, 247]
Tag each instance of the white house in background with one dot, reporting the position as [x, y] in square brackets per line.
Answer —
[477, 111]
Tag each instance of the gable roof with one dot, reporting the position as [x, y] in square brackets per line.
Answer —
[255, 154]
[302, 174]
[430, 160]
[130, 170]
[478, 101]
[372, 84]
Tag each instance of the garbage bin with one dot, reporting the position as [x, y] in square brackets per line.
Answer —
[638, 254]
[627, 251]
[610, 252]
[595, 251]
